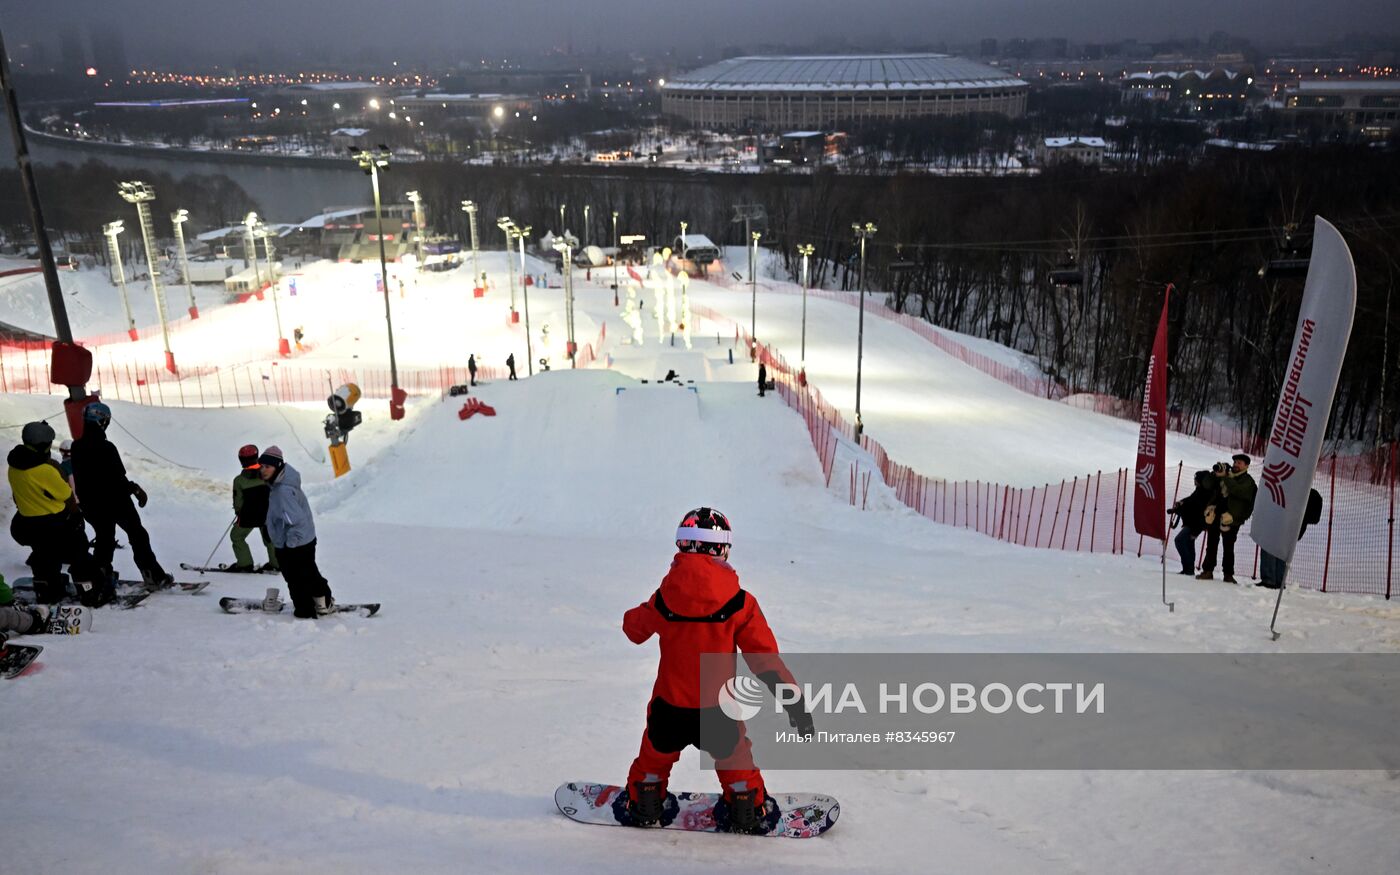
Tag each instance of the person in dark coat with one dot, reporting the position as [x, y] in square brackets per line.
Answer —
[107, 492]
[762, 378]
[1190, 512]
[1229, 510]
[471, 368]
[510, 363]
[1272, 569]
[250, 498]
[48, 523]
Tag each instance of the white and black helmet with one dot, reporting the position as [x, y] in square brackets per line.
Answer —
[704, 530]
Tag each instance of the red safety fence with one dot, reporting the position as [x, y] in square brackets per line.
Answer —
[1352, 550]
[256, 383]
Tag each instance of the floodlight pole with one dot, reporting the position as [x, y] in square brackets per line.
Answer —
[419, 220]
[470, 208]
[753, 289]
[505, 224]
[140, 195]
[521, 234]
[371, 163]
[178, 219]
[864, 232]
[112, 229]
[617, 256]
[805, 251]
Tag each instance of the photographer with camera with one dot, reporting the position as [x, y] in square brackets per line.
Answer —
[1190, 513]
[1232, 505]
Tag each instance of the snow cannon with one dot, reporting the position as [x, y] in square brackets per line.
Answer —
[339, 422]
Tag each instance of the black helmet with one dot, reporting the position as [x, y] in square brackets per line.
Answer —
[704, 530]
[38, 435]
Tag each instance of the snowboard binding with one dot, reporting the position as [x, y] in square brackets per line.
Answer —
[738, 812]
[652, 808]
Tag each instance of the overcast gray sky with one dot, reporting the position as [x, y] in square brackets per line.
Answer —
[166, 29]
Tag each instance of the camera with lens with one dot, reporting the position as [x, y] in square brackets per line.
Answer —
[1221, 468]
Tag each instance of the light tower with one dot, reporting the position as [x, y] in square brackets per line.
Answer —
[112, 229]
[520, 234]
[265, 233]
[565, 245]
[250, 246]
[506, 226]
[372, 163]
[753, 289]
[140, 194]
[805, 250]
[470, 208]
[419, 220]
[864, 232]
[586, 210]
[617, 256]
[178, 219]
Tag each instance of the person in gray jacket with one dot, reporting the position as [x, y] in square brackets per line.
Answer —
[293, 534]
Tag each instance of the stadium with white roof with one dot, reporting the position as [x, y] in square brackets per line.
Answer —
[824, 91]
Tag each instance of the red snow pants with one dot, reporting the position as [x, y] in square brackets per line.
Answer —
[670, 730]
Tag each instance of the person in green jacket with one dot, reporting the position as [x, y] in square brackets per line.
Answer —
[1233, 505]
[250, 496]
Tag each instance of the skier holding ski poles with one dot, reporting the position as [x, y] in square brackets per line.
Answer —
[250, 499]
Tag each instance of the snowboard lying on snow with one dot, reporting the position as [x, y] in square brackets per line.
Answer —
[255, 606]
[126, 597]
[800, 815]
[15, 658]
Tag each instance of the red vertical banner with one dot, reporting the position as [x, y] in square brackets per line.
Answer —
[1150, 479]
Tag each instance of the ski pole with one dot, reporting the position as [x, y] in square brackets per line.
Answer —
[227, 529]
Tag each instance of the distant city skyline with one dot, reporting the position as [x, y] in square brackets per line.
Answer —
[195, 34]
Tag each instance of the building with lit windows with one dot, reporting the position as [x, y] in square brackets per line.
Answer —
[1371, 109]
[824, 92]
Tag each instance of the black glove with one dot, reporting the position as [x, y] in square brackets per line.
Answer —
[140, 495]
[800, 719]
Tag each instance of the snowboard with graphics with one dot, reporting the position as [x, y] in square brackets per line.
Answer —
[24, 594]
[226, 569]
[255, 606]
[15, 658]
[800, 815]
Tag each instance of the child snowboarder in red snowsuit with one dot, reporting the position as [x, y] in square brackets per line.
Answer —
[701, 609]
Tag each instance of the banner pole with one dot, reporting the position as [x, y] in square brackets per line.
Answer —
[1277, 601]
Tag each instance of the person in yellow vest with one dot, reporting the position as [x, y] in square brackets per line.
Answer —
[48, 521]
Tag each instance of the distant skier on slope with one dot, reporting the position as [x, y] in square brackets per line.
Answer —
[293, 533]
[510, 363]
[250, 498]
[107, 493]
[471, 367]
[762, 378]
[700, 608]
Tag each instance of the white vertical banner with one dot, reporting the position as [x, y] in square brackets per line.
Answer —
[1305, 401]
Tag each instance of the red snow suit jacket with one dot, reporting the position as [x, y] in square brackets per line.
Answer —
[701, 609]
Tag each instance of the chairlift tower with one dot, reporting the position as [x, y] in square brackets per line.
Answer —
[111, 230]
[140, 194]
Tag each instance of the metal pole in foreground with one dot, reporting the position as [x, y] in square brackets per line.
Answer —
[36, 213]
[1277, 601]
[864, 232]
